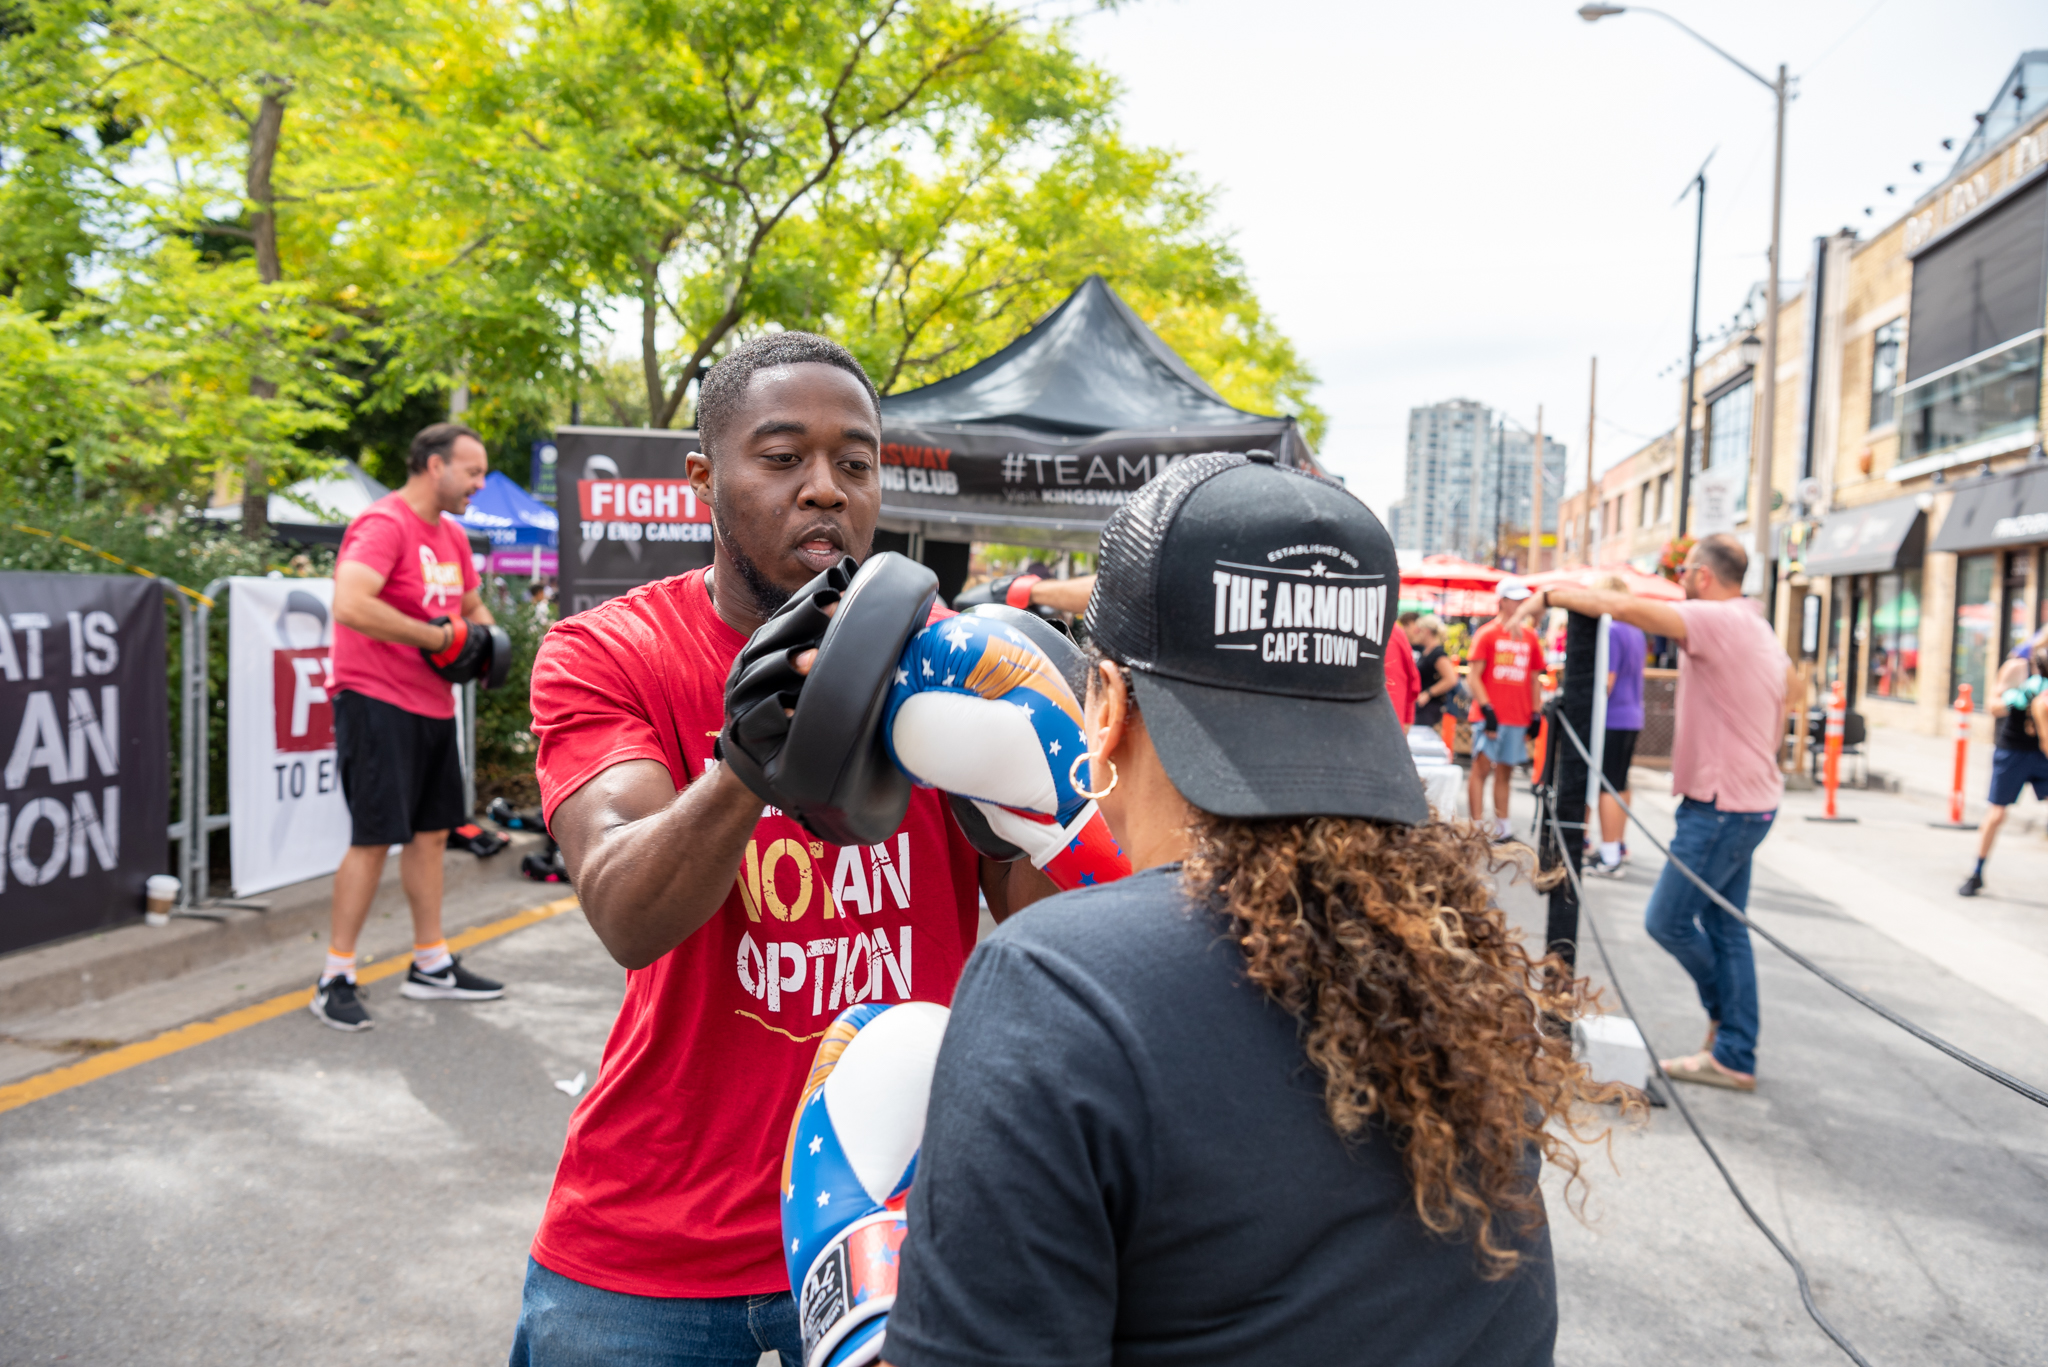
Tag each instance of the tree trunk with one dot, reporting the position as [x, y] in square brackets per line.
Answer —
[263, 136]
[650, 354]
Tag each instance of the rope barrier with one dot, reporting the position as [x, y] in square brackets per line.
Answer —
[1925, 1036]
[1735, 1188]
[110, 557]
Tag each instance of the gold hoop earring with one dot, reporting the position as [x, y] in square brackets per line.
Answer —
[1074, 782]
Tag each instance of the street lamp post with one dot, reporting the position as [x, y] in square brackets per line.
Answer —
[1767, 409]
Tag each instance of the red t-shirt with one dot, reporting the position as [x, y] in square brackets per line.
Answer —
[1509, 660]
[426, 572]
[667, 1185]
[1404, 680]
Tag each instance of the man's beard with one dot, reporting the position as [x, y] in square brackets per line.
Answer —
[768, 596]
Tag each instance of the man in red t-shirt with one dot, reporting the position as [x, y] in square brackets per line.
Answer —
[743, 934]
[402, 575]
[1505, 661]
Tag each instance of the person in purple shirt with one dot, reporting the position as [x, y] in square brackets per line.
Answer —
[1625, 651]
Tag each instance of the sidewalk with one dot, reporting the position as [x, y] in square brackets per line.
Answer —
[63, 1002]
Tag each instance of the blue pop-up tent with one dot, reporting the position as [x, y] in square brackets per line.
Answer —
[511, 519]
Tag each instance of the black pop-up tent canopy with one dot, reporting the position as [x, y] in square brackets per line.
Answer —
[1041, 442]
[1037, 445]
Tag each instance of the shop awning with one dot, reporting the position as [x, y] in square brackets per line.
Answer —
[2011, 510]
[1870, 539]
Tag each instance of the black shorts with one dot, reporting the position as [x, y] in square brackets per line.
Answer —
[1616, 752]
[401, 773]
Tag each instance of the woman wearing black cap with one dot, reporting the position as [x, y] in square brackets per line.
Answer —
[1281, 1095]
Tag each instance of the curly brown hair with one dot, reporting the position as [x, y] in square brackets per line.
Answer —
[1417, 1005]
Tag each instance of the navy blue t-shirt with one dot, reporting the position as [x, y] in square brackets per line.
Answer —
[1127, 1160]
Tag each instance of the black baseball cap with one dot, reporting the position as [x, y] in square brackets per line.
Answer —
[1254, 605]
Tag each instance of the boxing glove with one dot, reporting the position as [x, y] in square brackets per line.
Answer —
[473, 652]
[979, 711]
[846, 1172]
[2021, 698]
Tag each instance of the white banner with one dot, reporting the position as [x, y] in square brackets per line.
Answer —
[289, 822]
[1714, 494]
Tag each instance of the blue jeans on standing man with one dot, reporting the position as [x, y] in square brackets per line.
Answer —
[1707, 942]
[566, 1323]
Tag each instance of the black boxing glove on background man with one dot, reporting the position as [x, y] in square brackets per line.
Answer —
[467, 653]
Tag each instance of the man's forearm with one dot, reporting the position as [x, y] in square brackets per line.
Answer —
[1659, 619]
[379, 621]
[647, 885]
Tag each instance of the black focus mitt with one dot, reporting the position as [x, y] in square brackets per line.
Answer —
[812, 744]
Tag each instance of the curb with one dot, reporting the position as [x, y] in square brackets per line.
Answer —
[107, 963]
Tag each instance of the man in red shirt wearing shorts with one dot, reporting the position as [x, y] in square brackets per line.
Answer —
[743, 934]
[404, 564]
[1505, 661]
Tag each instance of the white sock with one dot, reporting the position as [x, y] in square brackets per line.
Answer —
[1502, 826]
[1610, 851]
[431, 958]
[339, 966]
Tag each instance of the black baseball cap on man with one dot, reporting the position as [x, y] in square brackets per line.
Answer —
[1254, 605]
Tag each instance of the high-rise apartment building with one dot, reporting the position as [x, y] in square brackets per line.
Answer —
[1446, 442]
[1466, 490]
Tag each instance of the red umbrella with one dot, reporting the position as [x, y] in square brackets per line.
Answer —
[1449, 572]
[1651, 586]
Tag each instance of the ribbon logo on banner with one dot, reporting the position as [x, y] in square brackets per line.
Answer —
[284, 783]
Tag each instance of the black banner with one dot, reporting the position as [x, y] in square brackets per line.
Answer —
[992, 475]
[85, 726]
[628, 513]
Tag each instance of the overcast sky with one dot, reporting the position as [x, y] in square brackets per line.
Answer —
[1472, 199]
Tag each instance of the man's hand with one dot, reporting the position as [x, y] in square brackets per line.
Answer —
[1492, 721]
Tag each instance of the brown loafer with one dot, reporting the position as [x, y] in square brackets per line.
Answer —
[1701, 1069]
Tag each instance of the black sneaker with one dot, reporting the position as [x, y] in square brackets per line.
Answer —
[336, 1004]
[1972, 885]
[452, 982]
[1597, 869]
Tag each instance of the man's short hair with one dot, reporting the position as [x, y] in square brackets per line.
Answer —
[1406, 620]
[1724, 558]
[724, 388]
[438, 440]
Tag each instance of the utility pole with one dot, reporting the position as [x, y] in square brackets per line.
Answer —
[1767, 409]
[1536, 469]
[1692, 353]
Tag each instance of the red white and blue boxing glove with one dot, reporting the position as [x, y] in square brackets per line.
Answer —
[847, 1171]
[981, 712]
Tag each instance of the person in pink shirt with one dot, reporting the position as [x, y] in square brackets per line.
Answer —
[405, 600]
[1733, 677]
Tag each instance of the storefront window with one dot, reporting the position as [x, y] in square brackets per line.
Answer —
[1838, 603]
[1728, 426]
[2018, 619]
[1884, 370]
[1894, 648]
[1976, 626]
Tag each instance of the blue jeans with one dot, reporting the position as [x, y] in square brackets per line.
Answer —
[564, 1323]
[1707, 942]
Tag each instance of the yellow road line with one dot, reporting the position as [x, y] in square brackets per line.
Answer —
[185, 1036]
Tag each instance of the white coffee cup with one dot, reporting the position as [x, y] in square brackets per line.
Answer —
[162, 893]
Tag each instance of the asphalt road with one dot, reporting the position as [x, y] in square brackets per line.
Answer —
[289, 1193]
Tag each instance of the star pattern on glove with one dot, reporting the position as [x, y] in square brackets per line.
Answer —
[902, 676]
[824, 1199]
[927, 668]
[957, 636]
[1053, 748]
[817, 1142]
